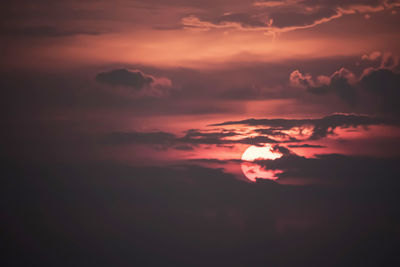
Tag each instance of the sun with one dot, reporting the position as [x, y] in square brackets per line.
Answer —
[253, 170]
[265, 152]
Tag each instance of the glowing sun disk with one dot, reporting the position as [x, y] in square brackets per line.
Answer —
[254, 152]
[252, 170]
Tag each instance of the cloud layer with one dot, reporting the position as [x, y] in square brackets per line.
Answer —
[383, 82]
[289, 15]
[146, 84]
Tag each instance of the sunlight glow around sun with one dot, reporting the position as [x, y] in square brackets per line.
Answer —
[253, 170]
[254, 152]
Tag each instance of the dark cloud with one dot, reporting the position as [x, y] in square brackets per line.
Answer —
[306, 146]
[184, 147]
[218, 138]
[286, 19]
[270, 131]
[244, 19]
[204, 4]
[168, 28]
[335, 3]
[342, 83]
[282, 150]
[276, 132]
[321, 127]
[257, 140]
[193, 133]
[282, 16]
[309, 12]
[214, 161]
[196, 137]
[382, 84]
[185, 142]
[199, 92]
[385, 85]
[124, 77]
[339, 84]
[343, 169]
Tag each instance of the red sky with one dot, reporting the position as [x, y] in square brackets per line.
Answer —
[206, 62]
[124, 123]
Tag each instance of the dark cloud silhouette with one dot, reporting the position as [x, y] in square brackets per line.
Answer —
[283, 16]
[218, 138]
[281, 149]
[339, 84]
[144, 85]
[196, 137]
[193, 133]
[214, 161]
[191, 138]
[306, 146]
[270, 131]
[285, 19]
[336, 3]
[124, 77]
[184, 147]
[385, 85]
[382, 83]
[321, 127]
[343, 169]
[257, 140]
[342, 83]
[244, 19]
[342, 119]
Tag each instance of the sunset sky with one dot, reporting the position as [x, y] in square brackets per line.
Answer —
[200, 133]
